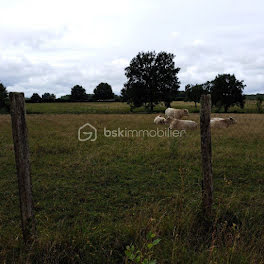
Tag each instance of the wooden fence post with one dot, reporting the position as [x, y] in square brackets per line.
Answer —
[206, 152]
[21, 147]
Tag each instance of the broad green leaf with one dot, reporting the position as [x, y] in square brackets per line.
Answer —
[156, 241]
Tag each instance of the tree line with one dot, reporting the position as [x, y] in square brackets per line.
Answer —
[152, 78]
[103, 91]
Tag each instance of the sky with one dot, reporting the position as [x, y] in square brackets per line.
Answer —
[52, 45]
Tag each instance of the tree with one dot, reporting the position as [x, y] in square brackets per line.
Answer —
[227, 91]
[35, 98]
[194, 92]
[78, 93]
[103, 91]
[152, 78]
[47, 97]
[3, 95]
[167, 80]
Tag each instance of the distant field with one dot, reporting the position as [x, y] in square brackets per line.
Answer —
[116, 108]
[94, 198]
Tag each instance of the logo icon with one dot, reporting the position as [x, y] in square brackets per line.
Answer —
[87, 132]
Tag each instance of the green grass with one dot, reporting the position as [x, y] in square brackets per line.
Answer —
[94, 198]
[118, 108]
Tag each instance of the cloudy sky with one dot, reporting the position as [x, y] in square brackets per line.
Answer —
[51, 45]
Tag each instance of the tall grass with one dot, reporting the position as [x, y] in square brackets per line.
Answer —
[92, 199]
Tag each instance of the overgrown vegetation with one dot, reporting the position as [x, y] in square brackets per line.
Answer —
[92, 199]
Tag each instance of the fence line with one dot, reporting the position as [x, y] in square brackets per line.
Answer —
[22, 157]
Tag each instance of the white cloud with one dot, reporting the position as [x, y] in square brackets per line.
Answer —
[121, 62]
[198, 42]
[49, 46]
[175, 34]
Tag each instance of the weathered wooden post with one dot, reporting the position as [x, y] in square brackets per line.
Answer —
[21, 147]
[206, 151]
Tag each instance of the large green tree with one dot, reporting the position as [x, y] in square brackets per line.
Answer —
[152, 78]
[3, 95]
[103, 91]
[227, 91]
[78, 93]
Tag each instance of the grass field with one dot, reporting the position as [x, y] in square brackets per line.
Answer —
[92, 199]
[118, 108]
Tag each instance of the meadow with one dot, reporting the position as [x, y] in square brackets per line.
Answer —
[92, 199]
[120, 108]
